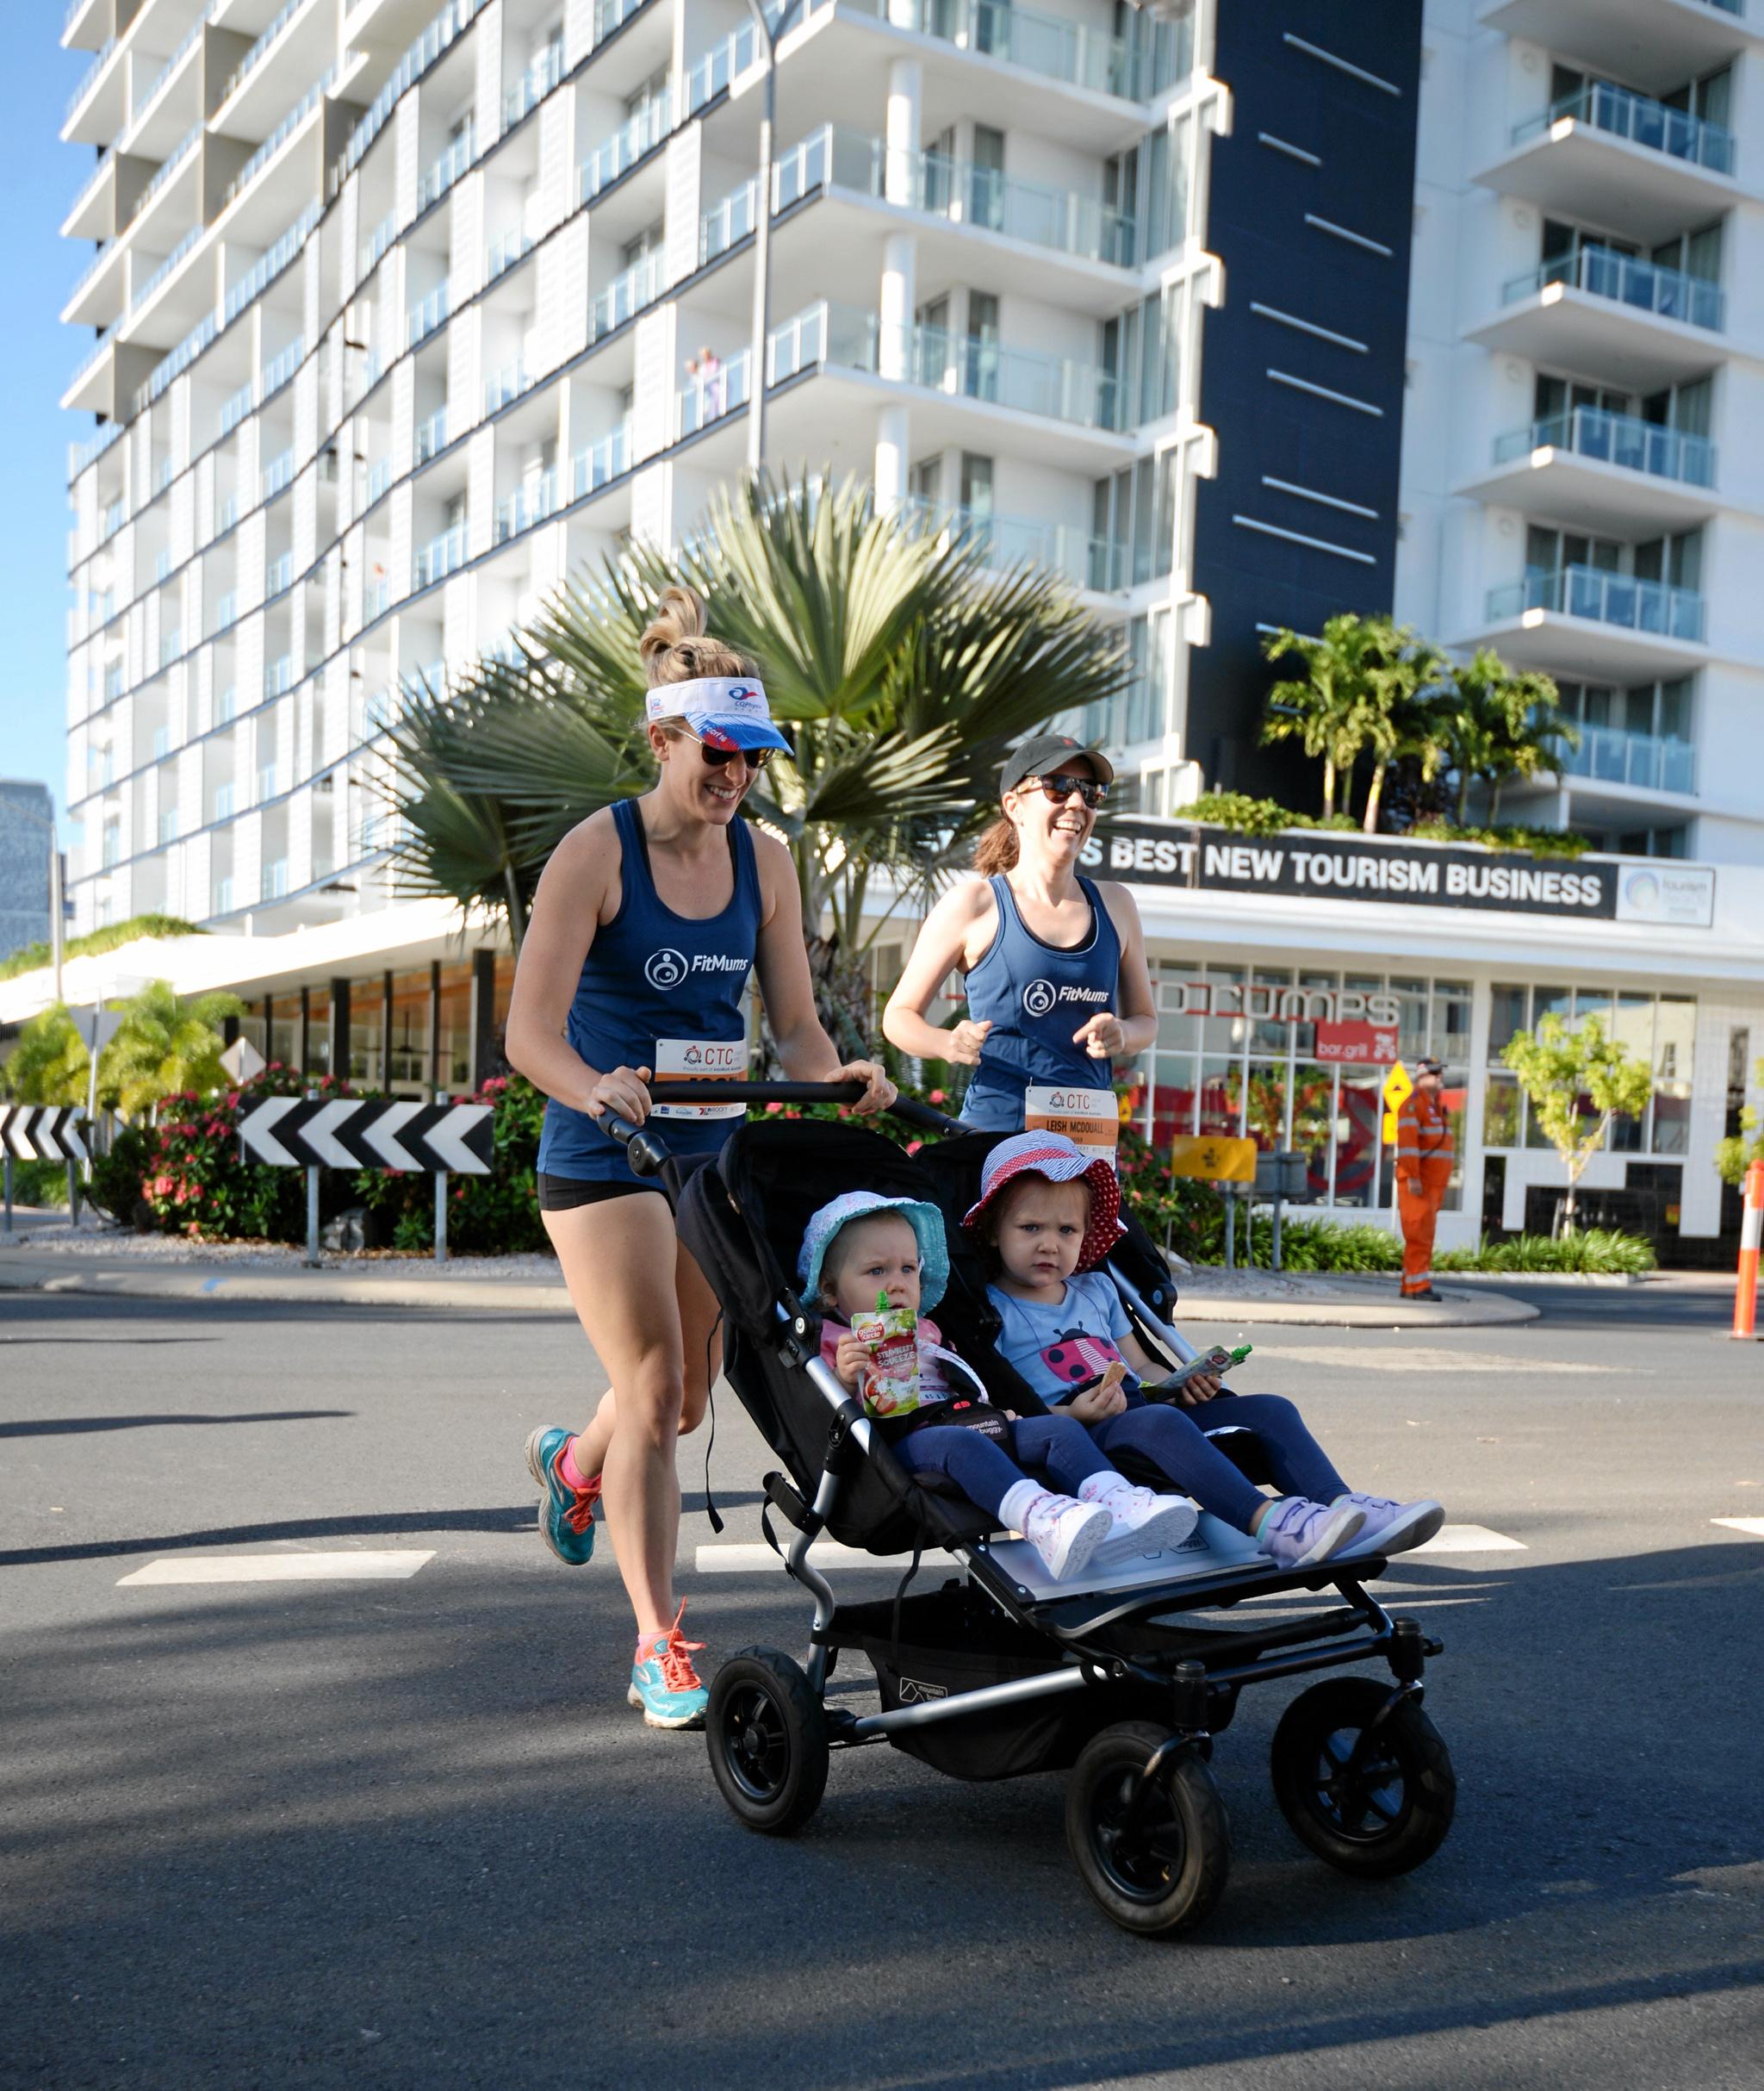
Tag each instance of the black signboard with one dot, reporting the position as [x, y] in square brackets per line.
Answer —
[1327, 866]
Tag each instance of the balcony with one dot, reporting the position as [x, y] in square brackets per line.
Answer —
[640, 135]
[1047, 44]
[446, 170]
[432, 435]
[1054, 388]
[1609, 472]
[1612, 157]
[526, 506]
[502, 255]
[279, 369]
[503, 387]
[1583, 621]
[1628, 321]
[379, 478]
[275, 477]
[600, 461]
[625, 296]
[439, 557]
[706, 400]
[1637, 762]
[278, 574]
[1661, 43]
[278, 676]
[533, 85]
[1086, 562]
[427, 316]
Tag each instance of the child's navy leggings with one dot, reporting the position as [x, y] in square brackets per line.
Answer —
[1175, 1441]
[1058, 1447]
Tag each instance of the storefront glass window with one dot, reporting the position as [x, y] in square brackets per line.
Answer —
[1551, 1001]
[1674, 1039]
[1224, 1033]
[455, 1071]
[1413, 1039]
[1304, 1036]
[1312, 1120]
[1221, 1092]
[284, 1031]
[1175, 1032]
[1270, 1035]
[1172, 1098]
[1356, 1137]
[1451, 1023]
[409, 1068]
[1507, 1014]
[318, 1030]
[1260, 1101]
[367, 1032]
[1502, 1108]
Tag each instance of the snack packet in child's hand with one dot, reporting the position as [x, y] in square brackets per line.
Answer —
[891, 1377]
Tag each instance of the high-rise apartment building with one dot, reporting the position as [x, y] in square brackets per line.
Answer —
[1236, 314]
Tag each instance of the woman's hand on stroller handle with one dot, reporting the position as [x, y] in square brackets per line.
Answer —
[623, 1091]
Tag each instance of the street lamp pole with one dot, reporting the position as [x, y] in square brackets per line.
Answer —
[768, 36]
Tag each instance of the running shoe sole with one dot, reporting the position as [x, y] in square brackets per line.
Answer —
[1083, 1547]
[634, 1697]
[542, 1481]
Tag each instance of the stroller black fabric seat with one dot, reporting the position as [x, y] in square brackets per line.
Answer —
[743, 1217]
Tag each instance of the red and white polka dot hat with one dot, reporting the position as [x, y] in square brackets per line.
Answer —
[1055, 1157]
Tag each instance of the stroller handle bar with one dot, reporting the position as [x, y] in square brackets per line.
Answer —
[648, 1154]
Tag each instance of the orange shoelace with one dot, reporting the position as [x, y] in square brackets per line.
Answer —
[671, 1651]
[580, 1513]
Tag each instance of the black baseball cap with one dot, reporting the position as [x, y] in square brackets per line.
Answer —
[1430, 1067]
[1041, 756]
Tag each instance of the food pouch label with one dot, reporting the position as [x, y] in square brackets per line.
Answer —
[1090, 1118]
[699, 1060]
[891, 1377]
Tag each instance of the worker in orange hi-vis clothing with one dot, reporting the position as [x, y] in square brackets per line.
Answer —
[1424, 1156]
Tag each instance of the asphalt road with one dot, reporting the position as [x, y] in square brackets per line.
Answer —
[407, 1833]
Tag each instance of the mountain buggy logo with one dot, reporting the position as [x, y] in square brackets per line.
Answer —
[666, 969]
[1041, 998]
[913, 1693]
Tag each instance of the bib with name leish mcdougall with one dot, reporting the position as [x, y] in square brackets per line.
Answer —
[1035, 995]
[663, 991]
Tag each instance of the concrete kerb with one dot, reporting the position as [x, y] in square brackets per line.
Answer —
[200, 1281]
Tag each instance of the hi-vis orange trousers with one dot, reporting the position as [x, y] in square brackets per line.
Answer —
[1417, 1203]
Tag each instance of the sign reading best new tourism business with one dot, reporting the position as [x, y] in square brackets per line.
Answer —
[1327, 865]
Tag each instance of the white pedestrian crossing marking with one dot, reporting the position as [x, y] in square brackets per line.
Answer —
[1468, 1539]
[1752, 1526]
[388, 1566]
[737, 1559]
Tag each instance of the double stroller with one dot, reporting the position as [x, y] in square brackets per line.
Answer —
[1124, 1678]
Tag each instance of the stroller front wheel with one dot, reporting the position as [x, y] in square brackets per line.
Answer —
[1155, 1859]
[767, 1733]
[1371, 1790]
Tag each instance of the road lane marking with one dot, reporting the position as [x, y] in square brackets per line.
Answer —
[368, 1567]
[1752, 1526]
[1468, 1539]
[1418, 1358]
[738, 1558]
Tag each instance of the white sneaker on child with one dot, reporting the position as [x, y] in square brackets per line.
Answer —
[1064, 1533]
[1143, 1522]
[1394, 1526]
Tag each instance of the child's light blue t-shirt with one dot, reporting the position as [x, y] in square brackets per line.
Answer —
[1059, 1348]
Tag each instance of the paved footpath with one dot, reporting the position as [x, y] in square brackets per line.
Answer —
[401, 1830]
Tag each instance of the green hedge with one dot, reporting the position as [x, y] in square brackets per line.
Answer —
[1248, 816]
[29, 957]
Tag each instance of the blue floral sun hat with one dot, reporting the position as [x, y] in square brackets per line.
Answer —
[925, 1220]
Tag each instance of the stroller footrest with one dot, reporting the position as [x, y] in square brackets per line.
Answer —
[785, 1498]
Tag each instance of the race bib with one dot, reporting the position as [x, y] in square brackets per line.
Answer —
[1088, 1117]
[699, 1060]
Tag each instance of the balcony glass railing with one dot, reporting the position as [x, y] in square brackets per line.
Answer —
[270, 264]
[1642, 120]
[235, 408]
[642, 133]
[626, 294]
[280, 368]
[173, 160]
[226, 610]
[178, 361]
[277, 475]
[432, 435]
[529, 504]
[186, 43]
[279, 137]
[1009, 540]
[1048, 44]
[426, 316]
[90, 361]
[275, 873]
[502, 254]
[707, 399]
[254, 56]
[440, 556]
[279, 575]
[1054, 386]
[728, 221]
[841, 334]
[88, 78]
[533, 85]
[377, 595]
[600, 461]
[178, 253]
[446, 170]
[455, 16]
[506, 384]
[1647, 762]
[1644, 284]
[225, 515]
[1650, 606]
[1616, 439]
[278, 675]
[379, 478]
[168, 826]
[378, 241]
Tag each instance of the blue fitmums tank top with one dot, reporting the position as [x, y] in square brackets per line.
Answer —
[1035, 995]
[657, 990]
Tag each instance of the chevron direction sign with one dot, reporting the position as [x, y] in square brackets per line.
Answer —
[41, 1132]
[351, 1133]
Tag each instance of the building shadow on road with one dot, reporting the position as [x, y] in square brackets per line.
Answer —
[74, 1426]
[379, 1834]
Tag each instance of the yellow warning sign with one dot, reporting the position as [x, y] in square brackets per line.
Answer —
[1390, 1128]
[1214, 1161]
[1398, 1085]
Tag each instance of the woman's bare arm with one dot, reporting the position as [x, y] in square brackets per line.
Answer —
[573, 889]
[941, 946]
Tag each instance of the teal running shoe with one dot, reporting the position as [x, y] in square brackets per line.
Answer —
[665, 1684]
[566, 1513]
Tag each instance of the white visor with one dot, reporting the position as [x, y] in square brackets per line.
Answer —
[727, 711]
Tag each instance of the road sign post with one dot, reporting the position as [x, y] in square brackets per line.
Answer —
[313, 1202]
[43, 1132]
[441, 1201]
[1399, 1087]
[8, 1190]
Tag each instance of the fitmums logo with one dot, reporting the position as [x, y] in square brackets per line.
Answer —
[667, 968]
[1039, 997]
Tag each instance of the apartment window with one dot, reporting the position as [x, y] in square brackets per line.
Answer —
[1709, 99]
[1660, 1030]
[977, 484]
[1559, 396]
[1139, 350]
[928, 481]
[1548, 551]
[1677, 560]
[1697, 253]
[1133, 515]
[1684, 407]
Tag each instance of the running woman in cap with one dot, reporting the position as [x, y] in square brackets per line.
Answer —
[1058, 987]
[647, 923]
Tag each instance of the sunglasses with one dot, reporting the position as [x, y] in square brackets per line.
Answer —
[719, 758]
[1061, 788]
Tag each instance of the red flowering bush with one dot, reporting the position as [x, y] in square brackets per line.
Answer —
[196, 1181]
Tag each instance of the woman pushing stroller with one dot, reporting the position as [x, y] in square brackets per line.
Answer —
[1046, 1219]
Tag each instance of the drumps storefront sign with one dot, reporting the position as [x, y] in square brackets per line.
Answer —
[1325, 866]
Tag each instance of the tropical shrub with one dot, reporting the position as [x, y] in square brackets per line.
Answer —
[199, 1183]
[29, 957]
[1597, 1250]
[497, 1215]
[120, 1174]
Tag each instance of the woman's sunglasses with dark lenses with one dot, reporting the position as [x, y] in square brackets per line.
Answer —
[719, 758]
[1061, 788]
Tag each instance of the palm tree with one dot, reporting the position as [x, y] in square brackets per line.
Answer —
[164, 1046]
[48, 1064]
[1498, 722]
[900, 668]
[1401, 719]
[1356, 675]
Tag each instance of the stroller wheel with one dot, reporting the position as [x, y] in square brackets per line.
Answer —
[1372, 1811]
[1157, 1862]
[767, 1733]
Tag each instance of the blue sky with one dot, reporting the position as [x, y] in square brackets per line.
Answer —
[39, 177]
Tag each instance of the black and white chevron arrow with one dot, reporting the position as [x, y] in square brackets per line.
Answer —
[42, 1132]
[354, 1133]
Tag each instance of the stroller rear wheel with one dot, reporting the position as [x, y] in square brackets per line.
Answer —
[1373, 1799]
[1156, 1857]
[767, 1733]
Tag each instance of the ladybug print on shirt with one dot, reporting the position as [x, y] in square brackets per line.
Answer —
[1077, 1357]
